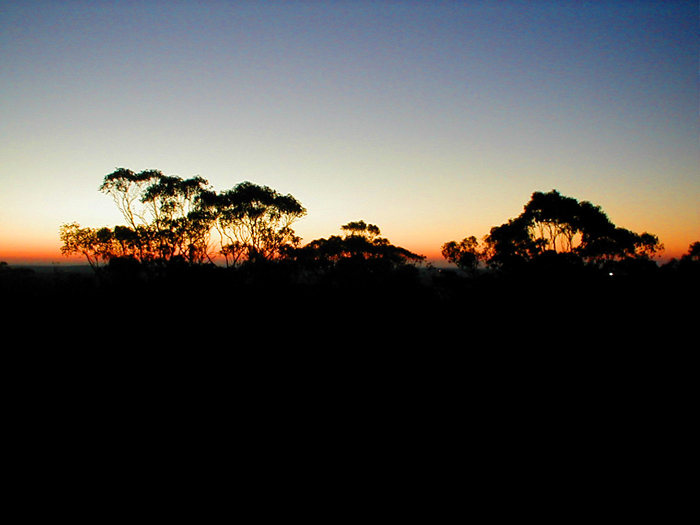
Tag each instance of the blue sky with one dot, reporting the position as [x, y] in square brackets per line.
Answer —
[433, 120]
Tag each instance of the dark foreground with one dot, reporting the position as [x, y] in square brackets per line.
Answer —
[428, 307]
[588, 373]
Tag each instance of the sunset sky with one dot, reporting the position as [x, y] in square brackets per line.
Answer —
[434, 120]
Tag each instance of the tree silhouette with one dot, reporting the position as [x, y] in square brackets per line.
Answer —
[165, 214]
[255, 222]
[553, 223]
[557, 249]
[360, 255]
[510, 244]
[370, 232]
[128, 188]
[693, 253]
[171, 219]
[179, 223]
[466, 254]
[96, 245]
[689, 263]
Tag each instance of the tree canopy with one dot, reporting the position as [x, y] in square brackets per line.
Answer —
[255, 222]
[165, 216]
[359, 255]
[174, 222]
[235, 254]
[169, 218]
[464, 254]
[553, 224]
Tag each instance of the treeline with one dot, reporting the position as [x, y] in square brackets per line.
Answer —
[176, 229]
[553, 227]
[174, 223]
[170, 220]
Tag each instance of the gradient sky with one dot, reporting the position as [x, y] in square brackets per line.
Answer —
[434, 120]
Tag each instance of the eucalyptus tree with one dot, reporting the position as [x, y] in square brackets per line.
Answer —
[511, 244]
[370, 232]
[255, 222]
[555, 224]
[362, 241]
[553, 221]
[359, 253]
[466, 254]
[128, 188]
[169, 218]
[180, 224]
[165, 214]
[95, 244]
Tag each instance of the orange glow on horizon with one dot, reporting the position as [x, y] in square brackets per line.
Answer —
[29, 254]
[37, 256]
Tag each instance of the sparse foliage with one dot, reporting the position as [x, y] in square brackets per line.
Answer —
[165, 214]
[96, 245]
[255, 222]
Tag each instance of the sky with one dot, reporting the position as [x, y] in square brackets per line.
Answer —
[434, 120]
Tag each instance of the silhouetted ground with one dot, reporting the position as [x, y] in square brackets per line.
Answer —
[520, 369]
[247, 308]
